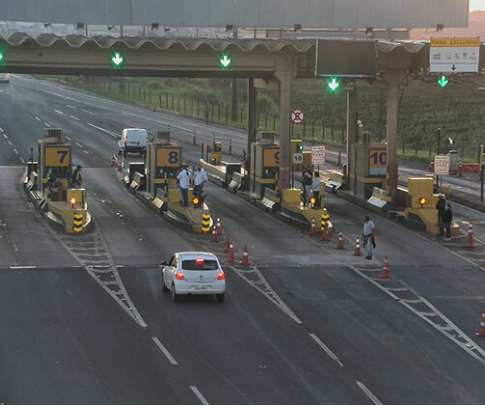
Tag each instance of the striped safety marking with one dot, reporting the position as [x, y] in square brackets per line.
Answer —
[78, 223]
[206, 222]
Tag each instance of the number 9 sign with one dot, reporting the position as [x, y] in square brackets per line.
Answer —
[271, 157]
[168, 157]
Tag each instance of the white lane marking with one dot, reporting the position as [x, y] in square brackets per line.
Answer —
[68, 138]
[73, 117]
[16, 152]
[23, 267]
[109, 132]
[164, 350]
[325, 348]
[367, 392]
[199, 395]
[5, 136]
[36, 118]
[22, 160]
[1, 129]
[10, 143]
[72, 107]
[86, 111]
[64, 96]
[47, 124]
[85, 151]
[59, 112]
[80, 145]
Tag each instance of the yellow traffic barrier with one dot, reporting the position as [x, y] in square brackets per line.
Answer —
[325, 219]
[206, 222]
[78, 223]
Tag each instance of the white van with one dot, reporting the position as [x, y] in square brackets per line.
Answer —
[133, 141]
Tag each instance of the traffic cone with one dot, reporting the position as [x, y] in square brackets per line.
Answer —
[219, 226]
[227, 245]
[245, 258]
[469, 241]
[386, 271]
[230, 254]
[340, 242]
[215, 236]
[357, 248]
[325, 236]
[481, 330]
[313, 228]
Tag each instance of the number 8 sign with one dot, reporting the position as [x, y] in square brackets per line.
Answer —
[168, 157]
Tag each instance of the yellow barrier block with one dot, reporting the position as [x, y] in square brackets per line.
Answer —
[292, 195]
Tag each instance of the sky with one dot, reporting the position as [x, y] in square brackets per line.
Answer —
[477, 5]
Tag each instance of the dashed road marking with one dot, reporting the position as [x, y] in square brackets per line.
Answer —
[36, 118]
[330, 353]
[86, 111]
[79, 145]
[45, 123]
[22, 160]
[164, 350]
[199, 395]
[109, 132]
[23, 267]
[73, 117]
[59, 112]
[5, 136]
[10, 143]
[16, 152]
[1, 129]
[64, 96]
[68, 138]
[367, 392]
[85, 151]
[72, 107]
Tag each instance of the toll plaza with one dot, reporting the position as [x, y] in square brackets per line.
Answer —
[264, 171]
[156, 183]
[48, 183]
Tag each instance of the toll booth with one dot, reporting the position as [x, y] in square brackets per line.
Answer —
[164, 163]
[265, 162]
[216, 153]
[370, 168]
[54, 162]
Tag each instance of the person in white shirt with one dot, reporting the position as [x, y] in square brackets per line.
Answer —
[200, 177]
[368, 236]
[316, 189]
[184, 183]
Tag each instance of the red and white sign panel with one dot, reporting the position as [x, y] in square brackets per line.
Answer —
[297, 116]
[442, 165]
[318, 154]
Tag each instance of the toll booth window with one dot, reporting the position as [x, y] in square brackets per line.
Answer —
[195, 265]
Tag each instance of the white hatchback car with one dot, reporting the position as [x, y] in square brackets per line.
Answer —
[4, 77]
[194, 273]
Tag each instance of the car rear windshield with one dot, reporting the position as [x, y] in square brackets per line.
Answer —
[207, 265]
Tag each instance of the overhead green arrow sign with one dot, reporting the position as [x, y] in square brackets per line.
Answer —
[1, 56]
[443, 81]
[333, 84]
[225, 61]
[117, 59]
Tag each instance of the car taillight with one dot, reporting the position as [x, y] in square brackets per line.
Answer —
[8, 75]
[126, 140]
[180, 275]
[221, 276]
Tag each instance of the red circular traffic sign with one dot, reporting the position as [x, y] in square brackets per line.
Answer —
[297, 116]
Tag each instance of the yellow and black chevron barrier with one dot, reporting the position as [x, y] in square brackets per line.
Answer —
[325, 219]
[206, 223]
[78, 223]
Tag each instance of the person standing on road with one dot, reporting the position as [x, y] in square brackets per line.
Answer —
[199, 180]
[184, 184]
[307, 185]
[77, 178]
[440, 207]
[316, 189]
[447, 219]
[368, 236]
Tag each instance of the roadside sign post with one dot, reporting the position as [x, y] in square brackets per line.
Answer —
[297, 116]
[441, 167]
[318, 156]
[450, 55]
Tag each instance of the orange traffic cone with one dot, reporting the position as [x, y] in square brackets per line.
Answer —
[245, 258]
[219, 226]
[215, 236]
[340, 242]
[357, 248]
[230, 254]
[469, 240]
[227, 244]
[481, 330]
[325, 236]
[386, 271]
[313, 228]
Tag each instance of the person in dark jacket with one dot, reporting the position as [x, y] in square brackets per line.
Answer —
[440, 207]
[447, 219]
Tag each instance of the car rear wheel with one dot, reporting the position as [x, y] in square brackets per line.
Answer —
[220, 297]
[175, 297]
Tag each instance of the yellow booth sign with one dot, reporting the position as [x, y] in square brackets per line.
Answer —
[57, 156]
[168, 157]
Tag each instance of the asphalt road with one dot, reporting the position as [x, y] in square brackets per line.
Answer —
[304, 324]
